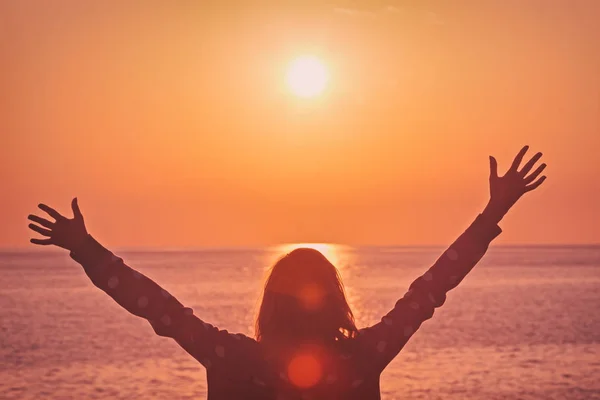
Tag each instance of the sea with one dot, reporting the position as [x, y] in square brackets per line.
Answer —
[525, 324]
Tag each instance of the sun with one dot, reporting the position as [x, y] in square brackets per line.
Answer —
[307, 76]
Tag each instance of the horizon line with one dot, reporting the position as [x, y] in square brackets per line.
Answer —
[158, 249]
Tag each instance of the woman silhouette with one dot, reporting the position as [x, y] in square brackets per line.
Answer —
[307, 345]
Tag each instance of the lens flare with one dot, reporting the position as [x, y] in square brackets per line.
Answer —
[311, 297]
[305, 370]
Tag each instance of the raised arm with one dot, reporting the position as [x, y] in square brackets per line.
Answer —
[142, 297]
[385, 339]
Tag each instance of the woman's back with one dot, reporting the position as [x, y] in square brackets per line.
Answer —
[310, 371]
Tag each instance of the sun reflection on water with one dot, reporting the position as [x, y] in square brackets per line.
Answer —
[334, 252]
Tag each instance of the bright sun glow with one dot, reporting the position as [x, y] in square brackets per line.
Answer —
[331, 251]
[307, 76]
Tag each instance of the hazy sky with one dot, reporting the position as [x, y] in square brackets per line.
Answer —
[172, 124]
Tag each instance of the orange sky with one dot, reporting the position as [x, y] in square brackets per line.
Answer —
[173, 126]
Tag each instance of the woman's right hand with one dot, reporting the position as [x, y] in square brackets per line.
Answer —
[63, 232]
[506, 190]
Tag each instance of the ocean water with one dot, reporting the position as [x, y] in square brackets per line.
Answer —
[525, 324]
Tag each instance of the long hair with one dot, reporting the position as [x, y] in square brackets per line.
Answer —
[304, 299]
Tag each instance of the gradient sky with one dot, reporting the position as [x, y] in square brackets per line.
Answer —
[172, 124]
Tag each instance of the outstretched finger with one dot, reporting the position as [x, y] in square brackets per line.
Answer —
[51, 211]
[76, 211]
[527, 167]
[42, 242]
[493, 167]
[41, 221]
[535, 184]
[518, 159]
[535, 174]
[38, 229]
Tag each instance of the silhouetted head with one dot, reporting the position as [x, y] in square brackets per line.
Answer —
[304, 299]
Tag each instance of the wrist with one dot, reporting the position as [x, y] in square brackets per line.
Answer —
[78, 243]
[493, 212]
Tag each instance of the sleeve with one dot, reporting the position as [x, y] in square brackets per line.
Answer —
[384, 340]
[213, 348]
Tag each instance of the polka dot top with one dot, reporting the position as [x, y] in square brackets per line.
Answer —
[239, 367]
